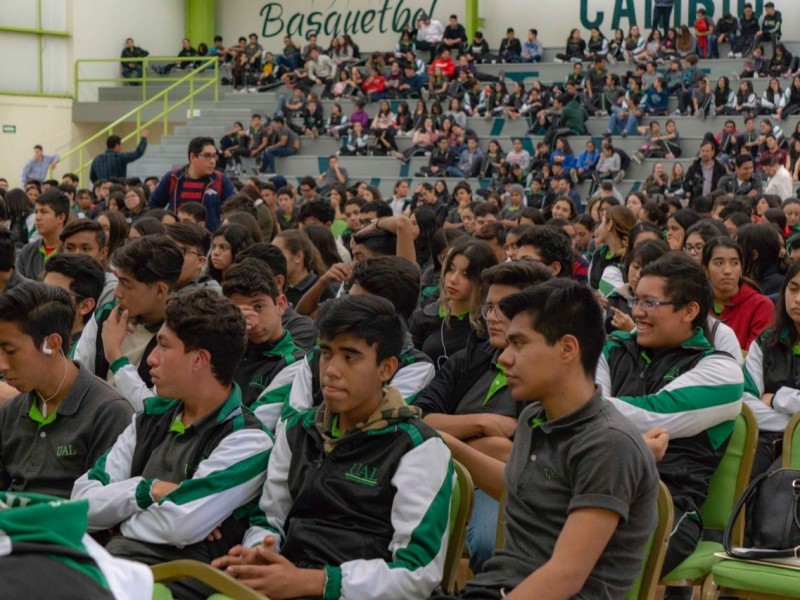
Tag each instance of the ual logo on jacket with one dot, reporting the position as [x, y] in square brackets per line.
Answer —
[363, 474]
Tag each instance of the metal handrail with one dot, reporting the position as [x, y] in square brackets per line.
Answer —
[144, 79]
[191, 78]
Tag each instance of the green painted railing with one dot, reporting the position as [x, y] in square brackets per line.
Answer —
[196, 82]
[208, 63]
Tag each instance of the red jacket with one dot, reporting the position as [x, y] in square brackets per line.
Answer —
[374, 85]
[748, 313]
[448, 66]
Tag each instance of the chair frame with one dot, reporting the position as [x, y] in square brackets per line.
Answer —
[742, 481]
[214, 578]
[458, 528]
[654, 561]
[792, 429]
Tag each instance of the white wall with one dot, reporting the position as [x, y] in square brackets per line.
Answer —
[271, 19]
[99, 29]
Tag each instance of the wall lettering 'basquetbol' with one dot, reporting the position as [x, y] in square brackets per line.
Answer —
[338, 18]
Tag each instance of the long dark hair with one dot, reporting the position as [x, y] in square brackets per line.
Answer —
[480, 256]
[322, 239]
[239, 239]
[117, 231]
[783, 322]
[761, 250]
[18, 205]
[426, 221]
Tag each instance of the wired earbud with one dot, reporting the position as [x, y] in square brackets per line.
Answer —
[46, 349]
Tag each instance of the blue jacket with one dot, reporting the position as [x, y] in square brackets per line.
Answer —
[218, 188]
[588, 160]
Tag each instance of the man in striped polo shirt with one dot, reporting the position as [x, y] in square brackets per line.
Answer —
[198, 181]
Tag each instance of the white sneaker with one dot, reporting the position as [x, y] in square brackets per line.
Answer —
[731, 54]
[251, 90]
[738, 55]
[637, 157]
[557, 60]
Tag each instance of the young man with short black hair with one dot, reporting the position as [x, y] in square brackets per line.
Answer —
[85, 236]
[302, 327]
[359, 488]
[148, 269]
[64, 418]
[194, 242]
[271, 359]
[560, 482]
[178, 478]
[287, 213]
[549, 246]
[398, 281]
[198, 181]
[192, 212]
[83, 279]
[52, 212]
[667, 374]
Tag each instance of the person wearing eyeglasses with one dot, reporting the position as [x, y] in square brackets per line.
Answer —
[469, 398]
[194, 242]
[667, 374]
[198, 181]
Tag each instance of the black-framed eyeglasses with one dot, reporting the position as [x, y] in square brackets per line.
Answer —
[651, 304]
[209, 155]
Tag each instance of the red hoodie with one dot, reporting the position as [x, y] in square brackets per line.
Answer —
[448, 66]
[748, 313]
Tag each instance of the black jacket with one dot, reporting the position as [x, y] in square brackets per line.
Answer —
[693, 182]
[689, 463]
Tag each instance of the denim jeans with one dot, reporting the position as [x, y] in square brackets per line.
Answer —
[616, 121]
[454, 172]
[482, 530]
[268, 158]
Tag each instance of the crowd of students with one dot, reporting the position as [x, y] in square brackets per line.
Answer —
[275, 380]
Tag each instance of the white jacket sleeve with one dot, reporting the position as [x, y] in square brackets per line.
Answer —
[276, 501]
[725, 339]
[86, 349]
[421, 520]
[768, 419]
[112, 493]
[412, 379]
[229, 478]
[701, 398]
[273, 404]
[131, 386]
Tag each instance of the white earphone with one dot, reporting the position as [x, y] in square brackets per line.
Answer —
[46, 350]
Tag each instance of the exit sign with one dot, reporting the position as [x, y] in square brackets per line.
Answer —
[9, 129]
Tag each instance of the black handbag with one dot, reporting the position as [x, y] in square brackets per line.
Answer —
[774, 517]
